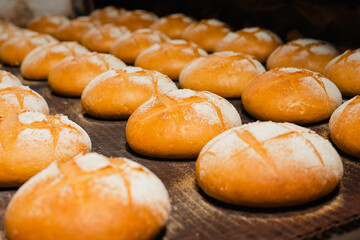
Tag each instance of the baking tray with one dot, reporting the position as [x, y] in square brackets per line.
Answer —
[197, 216]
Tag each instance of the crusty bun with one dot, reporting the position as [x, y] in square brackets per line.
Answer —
[90, 197]
[128, 47]
[9, 79]
[117, 94]
[207, 33]
[303, 53]
[30, 141]
[266, 164]
[106, 15]
[4, 26]
[38, 63]
[15, 49]
[169, 57]
[70, 76]
[173, 25]
[136, 19]
[14, 99]
[222, 73]
[254, 41]
[75, 29]
[291, 95]
[345, 127]
[344, 71]
[47, 23]
[178, 124]
[102, 38]
[6, 35]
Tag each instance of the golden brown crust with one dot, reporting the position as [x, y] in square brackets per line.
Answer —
[173, 25]
[47, 24]
[291, 95]
[136, 19]
[106, 15]
[75, 29]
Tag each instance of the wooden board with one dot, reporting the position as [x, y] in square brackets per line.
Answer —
[197, 216]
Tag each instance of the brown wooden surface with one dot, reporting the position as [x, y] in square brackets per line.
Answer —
[196, 216]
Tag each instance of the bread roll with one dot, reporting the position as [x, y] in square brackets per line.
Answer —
[303, 53]
[222, 73]
[266, 164]
[4, 26]
[14, 99]
[9, 79]
[173, 25]
[40, 61]
[129, 47]
[106, 15]
[254, 41]
[206, 33]
[102, 38]
[178, 124]
[30, 141]
[7, 34]
[117, 94]
[169, 57]
[345, 127]
[291, 95]
[47, 24]
[15, 49]
[136, 19]
[70, 76]
[90, 197]
[344, 71]
[75, 29]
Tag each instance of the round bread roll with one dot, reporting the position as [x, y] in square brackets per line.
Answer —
[7, 34]
[173, 25]
[178, 124]
[8, 79]
[291, 95]
[345, 127]
[303, 53]
[106, 15]
[344, 71]
[14, 99]
[130, 46]
[169, 57]
[104, 198]
[15, 49]
[30, 141]
[4, 26]
[47, 24]
[254, 41]
[207, 33]
[136, 19]
[102, 38]
[222, 73]
[116, 94]
[266, 164]
[38, 63]
[70, 76]
[75, 29]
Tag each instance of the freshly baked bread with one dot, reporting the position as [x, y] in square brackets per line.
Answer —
[15, 49]
[254, 41]
[9, 33]
[136, 19]
[222, 73]
[173, 25]
[4, 26]
[118, 93]
[106, 15]
[207, 33]
[169, 57]
[266, 164]
[178, 124]
[38, 63]
[303, 53]
[344, 71]
[70, 76]
[15, 99]
[102, 38]
[30, 141]
[291, 95]
[47, 24]
[75, 29]
[128, 47]
[345, 127]
[90, 197]
[9, 79]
